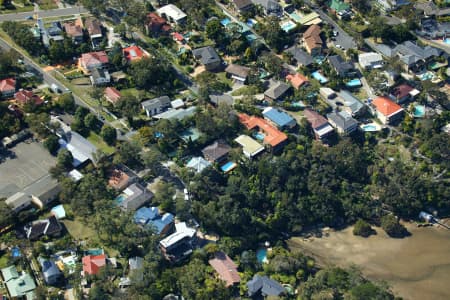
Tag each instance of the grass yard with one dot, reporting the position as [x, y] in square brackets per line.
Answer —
[98, 142]
[78, 230]
[4, 260]
[246, 90]
[222, 76]
[361, 94]
[47, 4]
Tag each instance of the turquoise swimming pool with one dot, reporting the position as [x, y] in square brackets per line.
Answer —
[288, 26]
[419, 111]
[369, 128]
[259, 136]
[97, 251]
[119, 199]
[295, 17]
[447, 41]
[426, 76]
[228, 166]
[318, 76]
[261, 255]
[225, 22]
[354, 83]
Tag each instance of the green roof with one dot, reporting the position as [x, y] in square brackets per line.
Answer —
[21, 286]
[9, 273]
[339, 5]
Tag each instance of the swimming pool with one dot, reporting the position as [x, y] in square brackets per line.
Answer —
[419, 111]
[228, 166]
[318, 76]
[295, 17]
[288, 26]
[261, 255]
[119, 199]
[370, 127]
[97, 251]
[225, 22]
[259, 136]
[251, 22]
[354, 83]
[447, 41]
[250, 37]
[15, 252]
[426, 76]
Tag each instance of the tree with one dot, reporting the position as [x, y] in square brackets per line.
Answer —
[152, 73]
[6, 214]
[65, 159]
[152, 159]
[108, 134]
[393, 228]
[38, 123]
[52, 144]
[128, 154]
[129, 106]
[90, 121]
[66, 102]
[215, 30]
[362, 228]
[164, 196]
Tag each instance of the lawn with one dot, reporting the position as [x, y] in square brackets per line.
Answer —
[78, 230]
[98, 142]
[4, 261]
[246, 90]
[222, 76]
[47, 4]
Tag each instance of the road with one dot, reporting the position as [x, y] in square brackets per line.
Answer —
[59, 12]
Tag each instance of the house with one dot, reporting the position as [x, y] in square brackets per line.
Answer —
[350, 103]
[216, 152]
[277, 91]
[156, 25]
[242, 5]
[134, 53]
[415, 57]
[27, 97]
[100, 77]
[93, 263]
[155, 106]
[177, 103]
[94, 28]
[310, 19]
[279, 118]
[93, 60]
[221, 99]
[370, 60]
[177, 114]
[198, 164]
[271, 136]
[18, 286]
[82, 150]
[112, 95]
[327, 93]
[250, 147]
[75, 30]
[172, 13]
[340, 8]
[297, 80]
[133, 197]
[388, 5]
[343, 68]
[225, 268]
[342, 121]
[270, 7]
[302, 58]
[119, 179]
[50, 271]
[238, 73]
[179, 244]
[387, 110]
[312, 40]
[403, 93]
[7, 87]
[49, 227]
[318, 123]
[430, 9]
[151, 218]
[264, 286]
[207, 57]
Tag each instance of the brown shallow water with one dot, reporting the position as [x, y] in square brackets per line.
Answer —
[416, 267]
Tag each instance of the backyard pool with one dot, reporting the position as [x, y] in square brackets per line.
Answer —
[419, 111]
[426, 76]
[251, 22]
[370, 127]
[261, 255]
[15, 252]
[119, 199]
[318, 76]
[447, 41]
[354, 83]
[228, 166]
[97, 251]
[288, 26]
[295, 17]
[225, 22]
[250, 37]
[259, 136]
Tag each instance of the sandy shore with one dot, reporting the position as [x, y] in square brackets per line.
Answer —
[417, 267]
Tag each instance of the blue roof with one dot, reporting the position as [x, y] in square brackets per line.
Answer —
[58, 211]
[278, 117]
[150, 217]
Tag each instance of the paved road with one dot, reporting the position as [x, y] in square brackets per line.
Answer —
[44, 13]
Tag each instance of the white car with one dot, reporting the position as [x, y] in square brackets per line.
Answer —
[340, 47]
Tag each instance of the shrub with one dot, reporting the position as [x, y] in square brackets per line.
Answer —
[362, 228]
[393, 228]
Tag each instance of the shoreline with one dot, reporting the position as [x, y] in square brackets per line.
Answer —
[415, 267]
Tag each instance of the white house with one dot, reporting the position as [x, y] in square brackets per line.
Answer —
[370, 60]
[172, 13]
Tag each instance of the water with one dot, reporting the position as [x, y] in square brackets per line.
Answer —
[288, 26]
[261, 255]
[259, 136]
[228, 166]
[354, 83]
[447, 41]
[295, 17]
[119, 199]
[426, 76]
[318, 76]
[369, 127]
[94, 252]
[225, 22]
[419, 111]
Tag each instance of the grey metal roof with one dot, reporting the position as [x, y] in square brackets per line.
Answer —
[136, 263]
[340, 64]
[160, 102]
[206, 55]
[277, 90]
[300, 56]
[351, 101]
[224, 98]
[265, 285]
[342, 119]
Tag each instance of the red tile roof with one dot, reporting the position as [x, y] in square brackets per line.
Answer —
[23, 97]
[273, 136]
[93, 58]
[226, 268]
[92, 264]
[133, 53]
[297, 80]
[315, 119]
[112, 94]
[7, 85]
[386, 106]
[179, 37]
[157, 23]
[402, 91]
